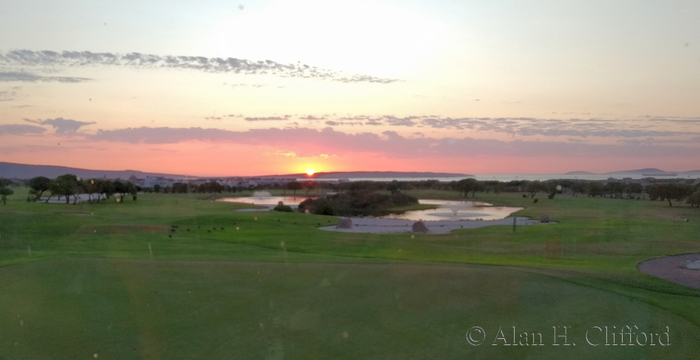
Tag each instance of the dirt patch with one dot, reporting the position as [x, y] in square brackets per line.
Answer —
[672, 268]
[123, 229]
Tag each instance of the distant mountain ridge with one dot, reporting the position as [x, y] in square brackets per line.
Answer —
[375, 175]
[647, 171]
[24, 171]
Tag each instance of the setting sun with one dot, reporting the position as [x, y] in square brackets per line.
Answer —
[310, 172]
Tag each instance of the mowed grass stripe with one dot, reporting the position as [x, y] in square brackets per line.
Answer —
[120, 308]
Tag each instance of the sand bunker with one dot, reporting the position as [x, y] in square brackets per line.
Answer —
[388, 226]
[677, 268]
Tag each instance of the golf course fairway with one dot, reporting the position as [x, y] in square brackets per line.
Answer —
[181, 277]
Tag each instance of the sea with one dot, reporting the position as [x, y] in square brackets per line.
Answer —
[512, 177]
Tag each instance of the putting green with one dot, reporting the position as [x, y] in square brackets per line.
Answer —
[124, 309]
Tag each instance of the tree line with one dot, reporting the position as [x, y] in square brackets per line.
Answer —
[69, 186]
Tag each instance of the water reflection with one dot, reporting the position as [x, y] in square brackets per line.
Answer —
[446, 210]
[456, 210]
[292, 201]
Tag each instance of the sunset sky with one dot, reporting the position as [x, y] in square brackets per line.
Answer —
[214, 88]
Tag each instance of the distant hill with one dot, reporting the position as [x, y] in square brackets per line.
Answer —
[579, 173]
[654, 171]
[639, 171]
[23, 171]
[647, 171]
[376, 175]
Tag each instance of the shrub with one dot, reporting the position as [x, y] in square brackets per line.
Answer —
[419, 227]
[283, 208]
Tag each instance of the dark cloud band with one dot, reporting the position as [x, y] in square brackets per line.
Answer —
[197, 63]
[21, 76]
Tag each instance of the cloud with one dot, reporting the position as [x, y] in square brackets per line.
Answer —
[246, 85]
[394, 121]
[312, 118]
[161, 135]
[269, 118]
[566, 128]
[306, 142]
[29, 77]
[195, 63]
[61, 125]
[21, 129]
[7, 95]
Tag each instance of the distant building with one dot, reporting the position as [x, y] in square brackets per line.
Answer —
[151, 181]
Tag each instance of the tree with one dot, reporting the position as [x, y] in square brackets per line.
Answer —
[676, 191]
[633, 188]
[180, 187]
[594, 188]
[90, 187]
[4, 192]
[468, 185]
[294, 186]
[533, 187]
[578, 187]
[39, 184]
[654, 190]
[309, 185]
[122, 188]
[394, 186]
[693, 199]
[65, 185]
[210, 187]
[668, 191]
[106, 187]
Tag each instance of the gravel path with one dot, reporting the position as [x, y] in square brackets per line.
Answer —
[672, 268]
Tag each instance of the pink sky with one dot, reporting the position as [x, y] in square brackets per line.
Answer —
[216, 89]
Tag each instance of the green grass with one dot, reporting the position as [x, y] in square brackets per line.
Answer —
[109, 278]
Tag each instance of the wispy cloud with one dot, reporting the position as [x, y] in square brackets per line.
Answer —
[7, 95]
[61, 125]
[268, 118]
[21, 129]
[312, 118]
[245, 85]
[571, 128]
[20, 76]
[196, 63]
[310, 142]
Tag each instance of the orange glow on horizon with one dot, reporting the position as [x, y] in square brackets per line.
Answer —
[310, 172]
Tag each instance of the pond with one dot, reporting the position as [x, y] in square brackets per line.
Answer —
[456, 210]
[266, 199]
[447, 209]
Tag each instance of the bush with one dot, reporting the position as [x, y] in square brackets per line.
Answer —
[360, 202]
[419, 227]
[283, 208]
[403, 199]
[693, 199]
